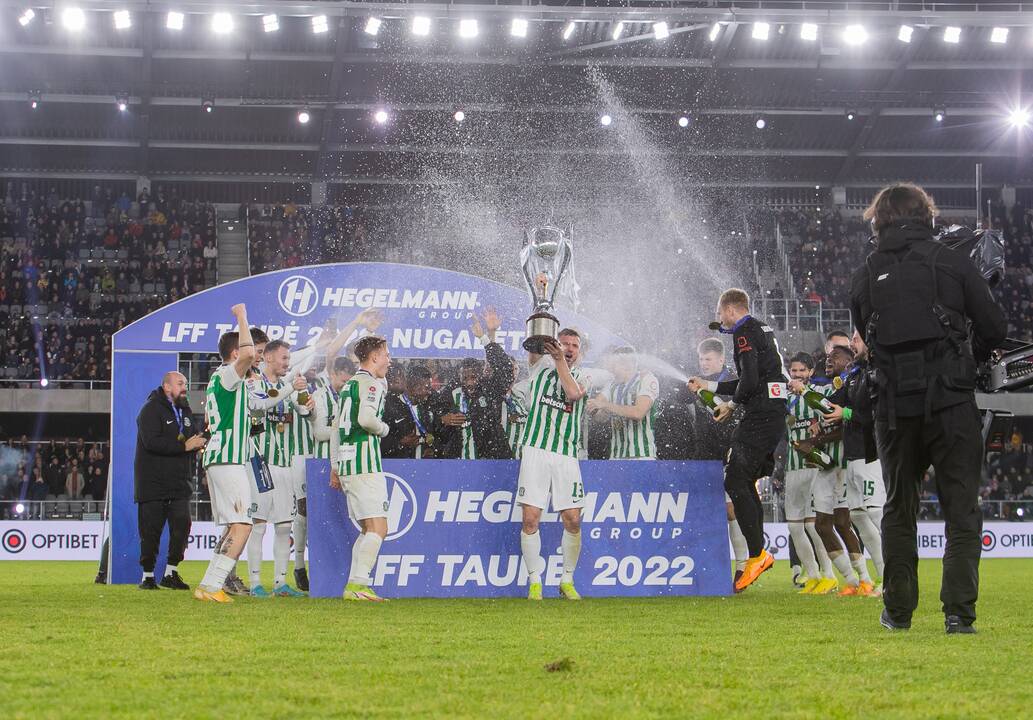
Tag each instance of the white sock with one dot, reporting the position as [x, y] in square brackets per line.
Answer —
[860, 565]
[355, 555]
[281, 553]
[870, 536]
[254, 554]
[531, 547]
[366, 557]
[842, 562]
[147, 575]
[739, 547]
[822, 555]
[218, 569]
[571, 546]
[169, 569]
[300, 540]
[804, 551]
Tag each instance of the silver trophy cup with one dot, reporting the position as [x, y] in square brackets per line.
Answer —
[545, 260]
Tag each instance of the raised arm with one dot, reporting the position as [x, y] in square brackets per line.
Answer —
[245, 345]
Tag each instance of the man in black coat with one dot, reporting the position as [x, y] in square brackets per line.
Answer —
[410, 417]
[166, 440]
[927, 317]
[473, 428]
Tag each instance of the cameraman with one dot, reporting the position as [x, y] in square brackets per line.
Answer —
[912, 304]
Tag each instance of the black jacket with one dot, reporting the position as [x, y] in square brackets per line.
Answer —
[399, 418]
[758, 364]
[485, 412]
[947, 368]
[162, 467]
[858, 431]
[713, 438]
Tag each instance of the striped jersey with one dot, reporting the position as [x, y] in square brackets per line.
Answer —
[276, 441]
[328, 404]
[553, 423]
[801, 418]
[630, 438]
[301, 435]
[358, 451]
[834, 449]
[514, 417]
[461, 403]
[226, 415]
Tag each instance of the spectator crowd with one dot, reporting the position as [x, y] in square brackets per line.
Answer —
[53, 478]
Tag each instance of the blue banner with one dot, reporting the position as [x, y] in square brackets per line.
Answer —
[648, 528]
[427, 311]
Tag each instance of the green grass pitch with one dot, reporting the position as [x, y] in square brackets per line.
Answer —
[74, 649]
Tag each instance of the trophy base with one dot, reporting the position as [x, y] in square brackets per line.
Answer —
[541, 327]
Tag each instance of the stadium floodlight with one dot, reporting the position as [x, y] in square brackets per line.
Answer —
[26, 17]
[174, 20]
[715, 31]
[605, 120]
[34, 99]
[518, 28]
[683, 121]
[43, 382]
[122, 19]
[320, 24]
[208, 105]
[808, 31]
[952, 35]
[372, 26]
[661, 31]
[122, 102]
[855, 35]
[304, 117]
[380, 117]
[569, 30]
[459, 116]
[618, 30]
[939, 114]
[222, 23]
[761, 30]
[850, 114]
[421, 25]
[761, 123]
[73, 18]
[1019, 117]
[905, 33]
[999, 35]
[468, 28]
[270, 23]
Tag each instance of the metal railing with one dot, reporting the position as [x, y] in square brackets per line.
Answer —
[790, 314]
[54, 384]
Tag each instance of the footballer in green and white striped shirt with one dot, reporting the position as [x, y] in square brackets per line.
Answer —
[629, 401]
[355, 460]
[548, 463]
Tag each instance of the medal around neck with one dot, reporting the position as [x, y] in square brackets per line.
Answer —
[547, 252]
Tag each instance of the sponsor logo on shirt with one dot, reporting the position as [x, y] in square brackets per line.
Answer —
[557, 404]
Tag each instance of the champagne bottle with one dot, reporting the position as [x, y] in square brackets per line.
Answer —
[816, 456]
[817, 401]
[303, 397]
[707, 398]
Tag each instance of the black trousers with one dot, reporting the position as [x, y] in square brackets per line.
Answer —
[951, 441]
[751, 457]
[152, 516]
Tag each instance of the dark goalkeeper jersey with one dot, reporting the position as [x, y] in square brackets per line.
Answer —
[761, 385]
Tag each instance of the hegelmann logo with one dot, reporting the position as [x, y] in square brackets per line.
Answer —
[298, 295]
[14, 541]
[402, 507]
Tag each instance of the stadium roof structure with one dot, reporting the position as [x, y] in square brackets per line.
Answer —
[843, 97]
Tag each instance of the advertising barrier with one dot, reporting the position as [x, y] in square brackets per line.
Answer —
[654, 528]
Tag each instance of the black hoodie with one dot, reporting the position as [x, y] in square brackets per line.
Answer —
[162, 467]
[960, 290]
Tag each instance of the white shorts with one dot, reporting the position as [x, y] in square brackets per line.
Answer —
[829, 490]
[864, 485]
[366, 494]
[298, 476]
[799, 485]
[278, 505]
[544, 473]
[229, 487]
